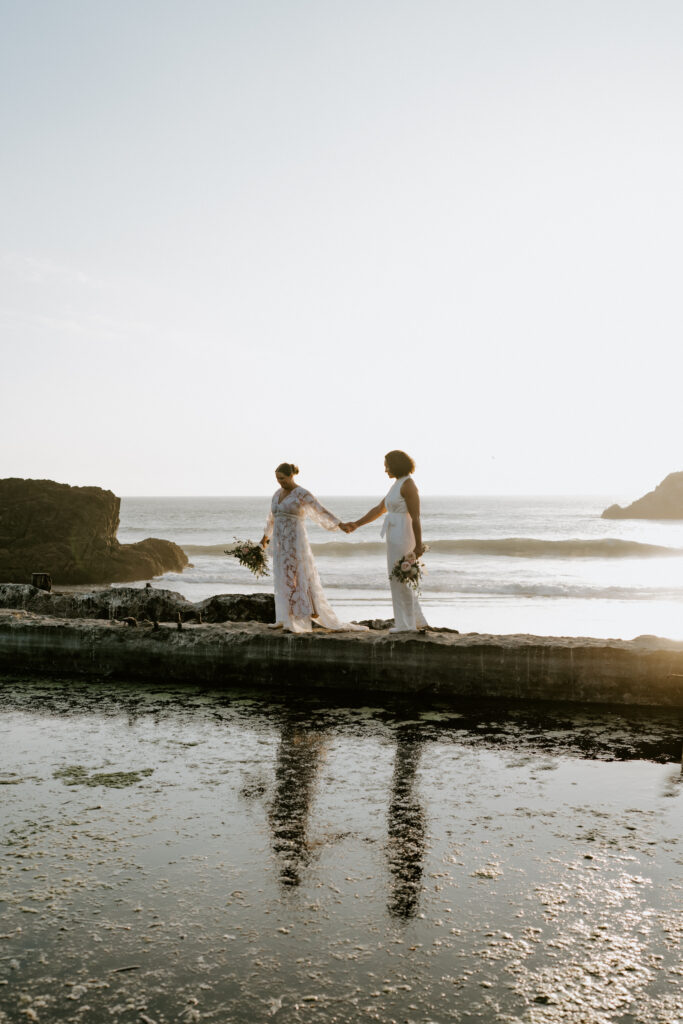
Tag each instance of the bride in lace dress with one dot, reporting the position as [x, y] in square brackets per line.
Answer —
[299, 596]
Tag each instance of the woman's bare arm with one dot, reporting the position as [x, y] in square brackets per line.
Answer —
[411, 496]
[370, 516]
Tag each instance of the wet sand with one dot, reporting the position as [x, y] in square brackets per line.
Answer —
[194, 855]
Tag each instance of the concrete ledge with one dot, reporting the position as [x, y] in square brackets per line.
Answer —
[647, 671]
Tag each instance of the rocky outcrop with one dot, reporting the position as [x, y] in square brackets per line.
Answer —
[237, 608]
[665, 502]
[646, 671]
[144, 604]
[148, 604]
[70, 533]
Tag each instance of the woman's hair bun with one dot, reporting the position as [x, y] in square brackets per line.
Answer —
[288, 468]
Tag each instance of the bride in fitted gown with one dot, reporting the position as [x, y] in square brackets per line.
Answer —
[299, 596]
[399, 532]
[403, 531]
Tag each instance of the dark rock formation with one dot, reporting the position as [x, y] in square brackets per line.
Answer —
[132, 602]
[70, 533]
[665, 502]
[148, 603]
[237, 608]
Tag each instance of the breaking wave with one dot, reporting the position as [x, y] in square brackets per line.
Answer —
[510, 547]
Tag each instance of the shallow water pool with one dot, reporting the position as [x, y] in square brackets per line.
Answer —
[189, 855]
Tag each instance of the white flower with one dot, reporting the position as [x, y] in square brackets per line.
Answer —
[405, 566]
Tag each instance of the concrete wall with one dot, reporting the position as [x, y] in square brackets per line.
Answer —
[648, 671]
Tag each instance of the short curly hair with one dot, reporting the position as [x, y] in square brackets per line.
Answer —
[399, 463]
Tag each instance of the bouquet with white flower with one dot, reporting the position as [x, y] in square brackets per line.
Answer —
[409, 570]
[253, 556]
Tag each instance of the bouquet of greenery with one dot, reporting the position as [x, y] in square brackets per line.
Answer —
[409, 570]
[253, 556]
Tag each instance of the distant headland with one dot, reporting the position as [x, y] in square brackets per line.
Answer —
[665, 502]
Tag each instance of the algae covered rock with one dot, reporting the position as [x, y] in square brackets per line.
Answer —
[70, 533]
[137, 603]
[238, 608]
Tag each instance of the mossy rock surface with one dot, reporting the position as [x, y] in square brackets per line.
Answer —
[77, 775]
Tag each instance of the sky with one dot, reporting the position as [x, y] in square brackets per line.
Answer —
[235, 234]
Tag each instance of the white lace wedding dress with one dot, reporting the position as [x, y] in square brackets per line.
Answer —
[299, 596]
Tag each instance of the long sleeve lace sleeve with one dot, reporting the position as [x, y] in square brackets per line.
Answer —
[268, 532]
[318, 514]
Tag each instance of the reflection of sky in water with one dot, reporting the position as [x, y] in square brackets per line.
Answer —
[312, 862]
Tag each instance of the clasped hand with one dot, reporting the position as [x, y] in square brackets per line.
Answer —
[348, 527]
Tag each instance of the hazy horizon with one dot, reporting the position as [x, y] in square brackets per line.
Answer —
[234, 235]
[370, 494]
[266, 495]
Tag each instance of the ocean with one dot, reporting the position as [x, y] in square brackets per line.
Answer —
[543, 565]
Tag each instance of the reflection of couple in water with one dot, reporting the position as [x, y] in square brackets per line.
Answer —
[299, 596]
[299, 756]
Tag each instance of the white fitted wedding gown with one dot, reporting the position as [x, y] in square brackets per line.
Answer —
[299, 596]
[398, 529]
